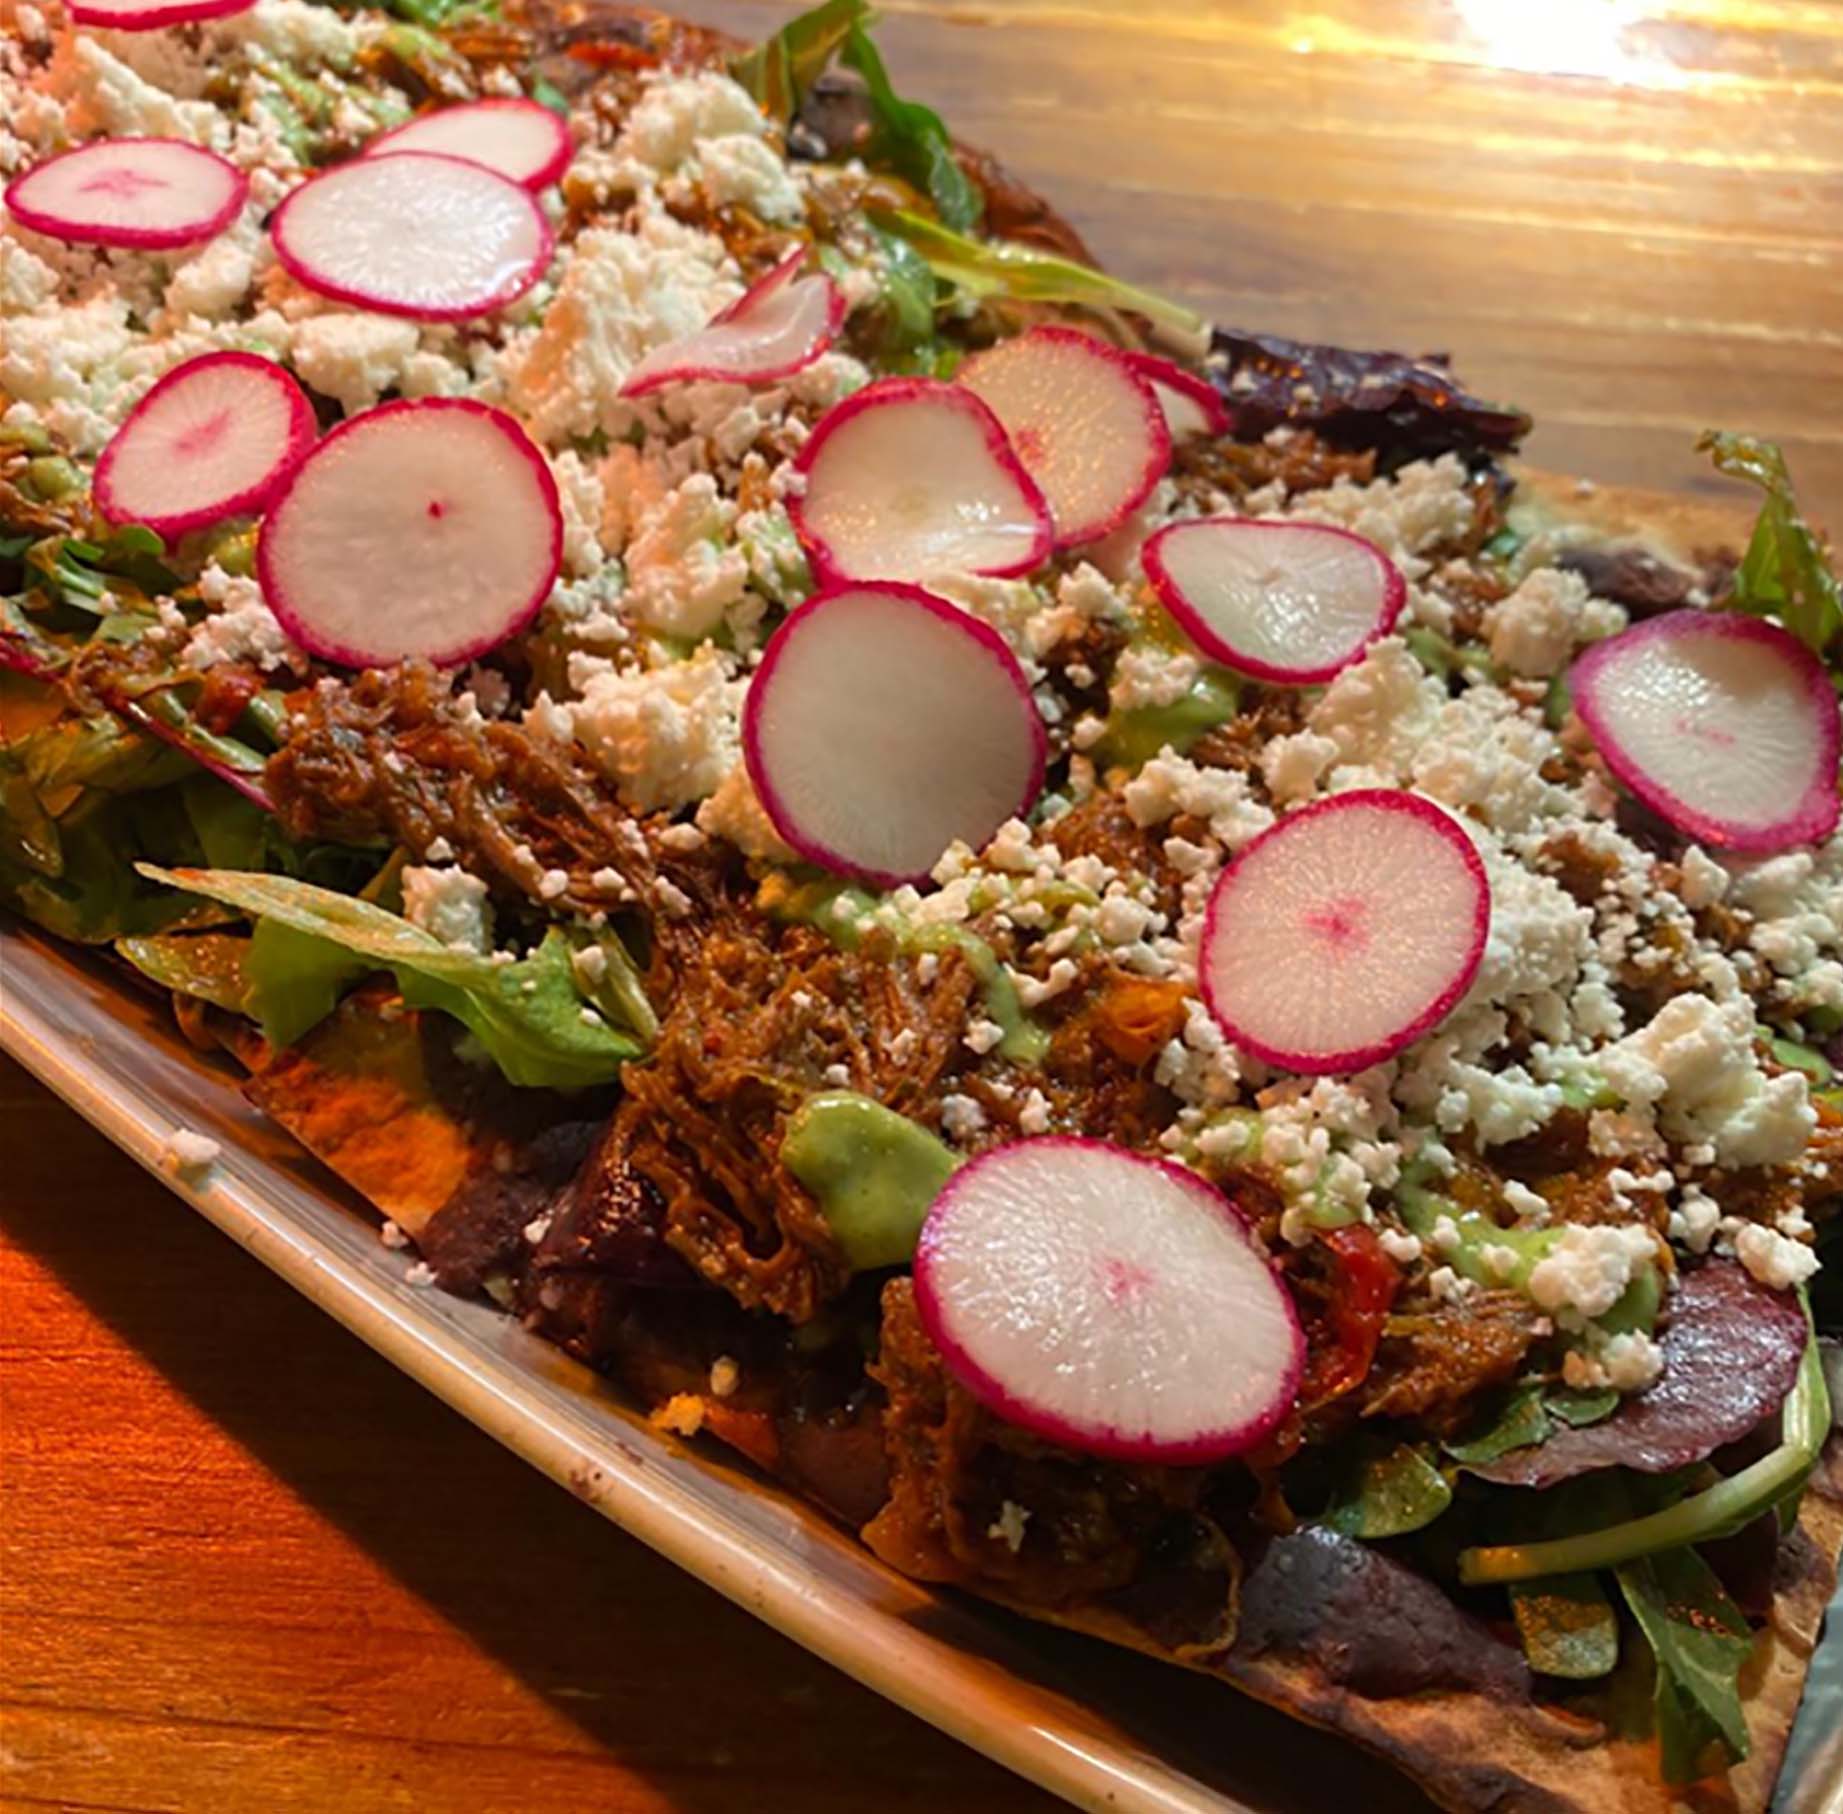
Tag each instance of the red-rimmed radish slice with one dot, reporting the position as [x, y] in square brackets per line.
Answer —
[1108, 1301]
[424, 529]
[418, 233]
[884, 723]
[1084, 424]
[910, 479]
[522, 140]
[1287, 602]
[214, 438]
[1345, 932]
[149, 15]
[1190, 404]
[1724, 724]
[778, 328]
[150, 194]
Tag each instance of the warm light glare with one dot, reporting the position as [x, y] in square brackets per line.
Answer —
[1563, 38]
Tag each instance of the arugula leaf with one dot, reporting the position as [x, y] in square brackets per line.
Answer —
[1701, 1641]
[208, 965]
[1521, 1423]
[1567, 1625]
[1579, 1409]
[1025, 274]
[528, 1014]
[780, 72]
[913, 140]
[76, 572]
[1389, 1493]
[1784, 573]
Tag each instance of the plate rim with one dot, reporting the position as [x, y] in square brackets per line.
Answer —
[926, 1672]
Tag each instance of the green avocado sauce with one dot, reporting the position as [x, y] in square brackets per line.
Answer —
[1421, 1209]
[1133, 737]
[873, 1173]
[836, 908]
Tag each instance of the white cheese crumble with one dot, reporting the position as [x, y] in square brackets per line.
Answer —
[449, 905]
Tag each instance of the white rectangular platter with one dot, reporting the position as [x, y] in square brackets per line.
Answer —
[1103, 1729]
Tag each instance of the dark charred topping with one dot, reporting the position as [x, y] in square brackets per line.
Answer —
[1402, 408]
[1644, 582]
[1367, 1623]
[1076, 1528]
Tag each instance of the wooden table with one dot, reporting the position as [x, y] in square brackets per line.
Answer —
[245, 1565]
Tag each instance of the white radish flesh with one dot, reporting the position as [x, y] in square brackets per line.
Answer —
[150, 15]
[1108, 1301]
[779, 327]
[1190, 404]
[911, 479]
[149, 194]
[1725, 725]
[522, 140]
[418, 233]
[1345, 932]
[1082, 422]
[214, 438]
[424, 530]
[1286, 602]
[884, 723]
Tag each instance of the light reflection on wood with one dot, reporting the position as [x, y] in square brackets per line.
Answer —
[1632, 261]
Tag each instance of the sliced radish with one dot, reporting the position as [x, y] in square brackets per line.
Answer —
[149, 15]
[1726, 725]
[417, 233]
[1085, 425]
[1288, 602]
[1190, 404]
[1345, 932]
[214, 438]
[780, 327]
[429, 529]
[884, 723]
[910, 479]
[523, 140]
[150, 194]
[1108, 1301]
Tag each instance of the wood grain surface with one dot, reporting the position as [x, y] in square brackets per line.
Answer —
[245, 1565]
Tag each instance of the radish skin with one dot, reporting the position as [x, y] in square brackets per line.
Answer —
[1190, 404]
[148, 194]
[151, 15]
[1291, 603]
[779, 327]
[1724, 724]
[1108, 1301]
[523, 141]
[862, 689]
[215, 438]
[1082, 422]
[1345, 932]
[417, 233]
[909, 479]
[427, 530]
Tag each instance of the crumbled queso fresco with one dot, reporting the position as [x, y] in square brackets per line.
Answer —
[679, 553]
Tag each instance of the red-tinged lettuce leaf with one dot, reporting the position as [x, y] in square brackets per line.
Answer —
[1406, 409]
[1731, 1354]
[1367, 1622]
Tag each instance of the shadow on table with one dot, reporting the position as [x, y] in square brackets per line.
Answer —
[584, 1616]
